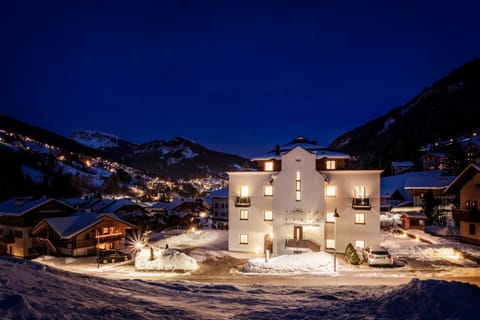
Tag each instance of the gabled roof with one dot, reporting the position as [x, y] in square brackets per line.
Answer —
[467, 174]
[433, 179]
[171, 205]
[220, 193]
[118, 204]
[68, 227]
[320, 153]
[402, 164]
[19, 206]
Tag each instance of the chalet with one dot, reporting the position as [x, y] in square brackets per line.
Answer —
[467, 186]
[82, 233]
[399, 167]
[434, 161]
[17, 218]
[301, 198]
[219, 205]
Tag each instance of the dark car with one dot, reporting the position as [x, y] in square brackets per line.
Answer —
[106, 256]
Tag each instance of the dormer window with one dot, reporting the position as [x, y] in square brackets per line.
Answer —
[331, 164]
[268, 166]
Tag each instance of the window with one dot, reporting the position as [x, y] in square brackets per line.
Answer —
[331, 191]
[472, 229]
[244, 191]
[360, 244]
[268, 166]
[244, 239]
[268, 215]
[330, 217]
[243, 214]
[330, 244]
[359, 218]
[105, 230]
[18, 234]
[268, 191]
[330, 164]
[298, 185]
[360, 191]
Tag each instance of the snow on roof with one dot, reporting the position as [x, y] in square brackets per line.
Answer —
[407, 209]
[19, 206]
[402, 164]
[118, 204]
[220, 193]
[171, 205]
[67, 227]
[320, 154]
[465, 175]
[101, 204]
[429, 180]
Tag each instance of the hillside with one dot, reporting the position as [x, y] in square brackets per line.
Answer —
[447, 109]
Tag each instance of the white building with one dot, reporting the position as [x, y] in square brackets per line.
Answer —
[288, 204]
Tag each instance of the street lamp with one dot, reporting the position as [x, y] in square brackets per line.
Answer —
[336, 215]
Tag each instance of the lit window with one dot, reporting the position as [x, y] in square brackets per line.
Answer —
[244, 239]
[330, 217]
[360, 191]
[105, 230]
[298, 184]
[268, 191]
[330, 243]
[269, 166]
[330, 164]
[359, 218]
[268, 215]
[243, 214]
[331, 191]
[360, 244]
[244, 191]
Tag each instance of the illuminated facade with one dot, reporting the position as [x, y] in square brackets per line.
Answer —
[287, 205]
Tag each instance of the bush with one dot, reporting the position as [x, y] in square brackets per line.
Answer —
[351, 255]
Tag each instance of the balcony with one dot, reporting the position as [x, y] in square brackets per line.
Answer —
[466, 215]
[300, 218]
[242, 202]
[301, 245]
[361, 203]
[7, 239]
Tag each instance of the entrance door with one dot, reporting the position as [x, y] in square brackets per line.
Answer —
[298, 233]
[268, 243]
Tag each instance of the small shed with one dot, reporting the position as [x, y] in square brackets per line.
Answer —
[413, 220]
[411, 217]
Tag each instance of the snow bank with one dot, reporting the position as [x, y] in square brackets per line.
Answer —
[431, 299]
[164, 260]
[320, 262]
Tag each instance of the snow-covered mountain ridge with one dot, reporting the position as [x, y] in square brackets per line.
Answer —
[95, 139]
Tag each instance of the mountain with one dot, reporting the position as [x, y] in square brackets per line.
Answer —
[176, 158]
[447, 109]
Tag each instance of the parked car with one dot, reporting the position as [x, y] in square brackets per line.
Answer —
[377, 256]
[114, 255]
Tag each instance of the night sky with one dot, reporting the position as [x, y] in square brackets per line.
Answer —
[234, 76]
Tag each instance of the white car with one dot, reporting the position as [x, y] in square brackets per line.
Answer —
[377, 256]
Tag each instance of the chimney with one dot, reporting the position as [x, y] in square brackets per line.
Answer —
[277, 149]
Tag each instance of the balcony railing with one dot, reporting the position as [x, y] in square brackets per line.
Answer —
[242, 202]
[302, 244]
[466, 215]
[361, 203]
[7, 239]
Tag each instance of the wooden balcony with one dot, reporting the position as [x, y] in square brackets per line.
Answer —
[242, 202]
[466, 215]
[361, 203]
[302, 245]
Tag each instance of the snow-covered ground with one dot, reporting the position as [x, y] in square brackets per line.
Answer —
[35, 290]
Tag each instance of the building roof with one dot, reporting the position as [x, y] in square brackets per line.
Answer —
[68, 227]
[319, 153]
[402, 164]
[220, 193]
[19, 206]
[433, 179]
[467, 174]
[116, 205]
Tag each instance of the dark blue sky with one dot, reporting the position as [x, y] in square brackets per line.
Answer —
[235, 76]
